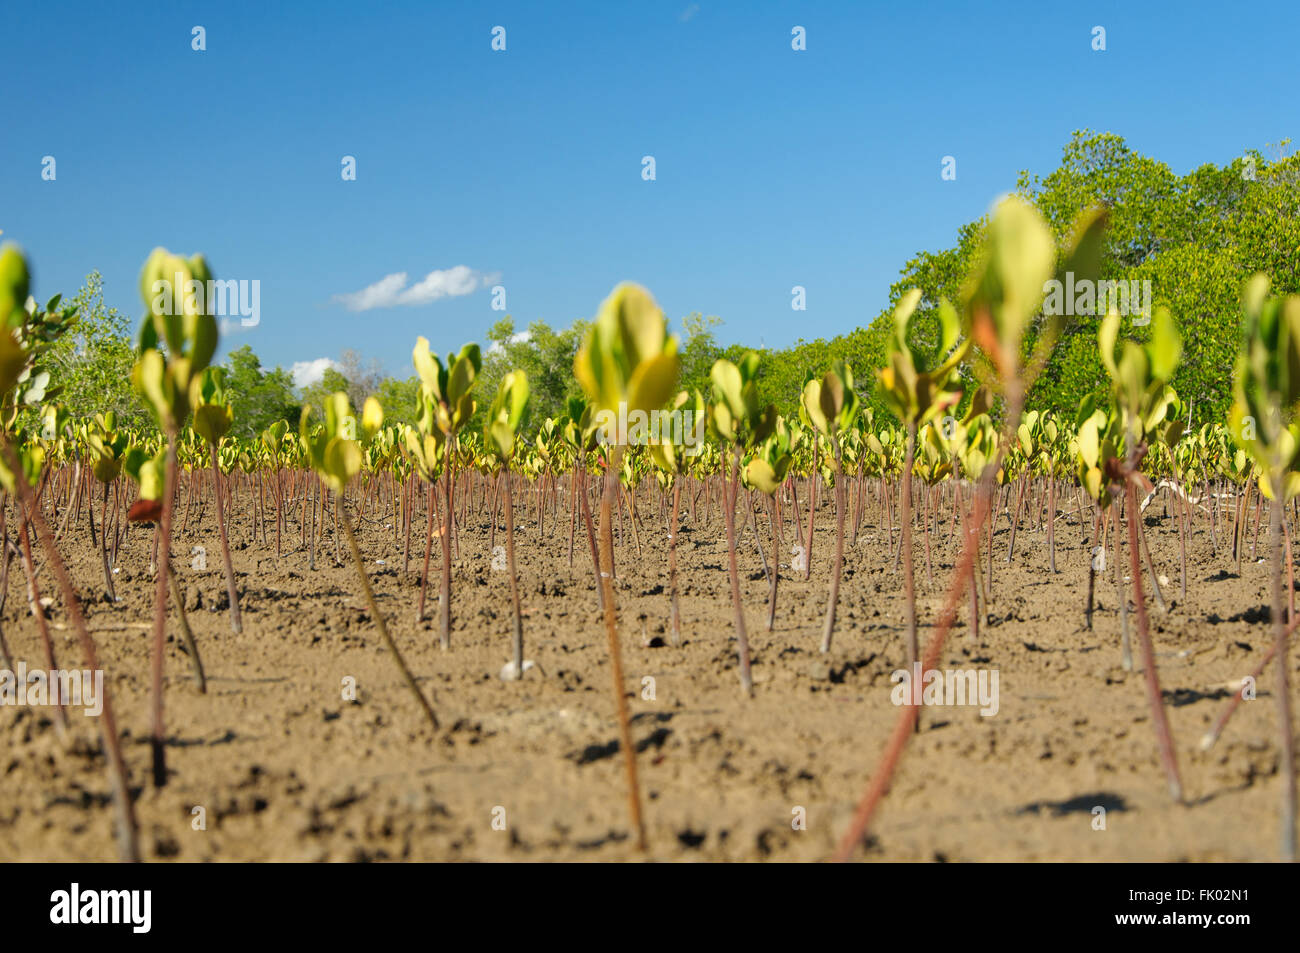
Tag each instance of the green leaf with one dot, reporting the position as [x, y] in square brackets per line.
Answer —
[341, 462]
[428, 367]
[1089, 442]
[653, 382]
[728, 385]
[1166, 345]
[812, 405]
[759, 473]
[1106, 336]
[212, 421]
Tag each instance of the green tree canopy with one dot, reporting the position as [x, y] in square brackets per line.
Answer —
[259, 398]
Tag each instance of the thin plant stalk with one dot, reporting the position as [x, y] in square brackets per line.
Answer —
[742, 637]
[673, 529]
[1092, 567]
[1151, 565]
[573, 508]
[828, 629]
[236, 623]
[444, 598]
[430, 516]
[1159, 716]
[378, 616]
[187, 635]
[1051, 518]
[1281, 634]
[615, 654]
[38, 613]
[103, 548]
[164, 539]
[812, 512]
[1126, 648]
[909, 585]
[591, 543]
[776, 559]
[1209, 739]
[514, 576]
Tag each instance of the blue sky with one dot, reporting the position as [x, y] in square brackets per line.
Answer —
[774, 168]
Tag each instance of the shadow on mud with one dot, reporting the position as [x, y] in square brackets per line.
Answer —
[1083, 804]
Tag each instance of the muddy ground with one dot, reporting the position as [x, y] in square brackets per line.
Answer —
[286, 770]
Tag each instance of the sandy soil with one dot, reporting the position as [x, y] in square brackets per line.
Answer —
[285, 769]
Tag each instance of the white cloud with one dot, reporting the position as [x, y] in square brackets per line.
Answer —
[392, 291]
[689, 13]
[306, 373]
[515, 338]
[381, 294]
